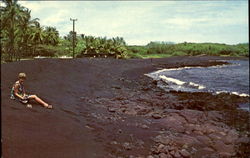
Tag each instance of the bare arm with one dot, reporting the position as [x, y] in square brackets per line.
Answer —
[16, 91]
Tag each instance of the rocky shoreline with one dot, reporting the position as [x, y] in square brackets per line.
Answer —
[123, 111]
[189, 124]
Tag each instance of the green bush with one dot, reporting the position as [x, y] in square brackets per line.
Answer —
[193, 49]
[101, 47]
[134, 55]
[179, 53]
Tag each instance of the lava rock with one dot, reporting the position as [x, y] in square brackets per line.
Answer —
[163, 155]
[111, 109]
[156, 116]
[127, 146]
[185, 153]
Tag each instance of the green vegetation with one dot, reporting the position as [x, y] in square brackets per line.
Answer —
[162, 49]
[101, 47]
[23, 37]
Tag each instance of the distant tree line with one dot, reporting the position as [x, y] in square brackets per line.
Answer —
[190, 49]
[24, 37]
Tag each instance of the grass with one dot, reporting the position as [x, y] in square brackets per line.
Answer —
[145, 56]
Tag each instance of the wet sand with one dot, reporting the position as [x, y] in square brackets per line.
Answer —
[109, 108]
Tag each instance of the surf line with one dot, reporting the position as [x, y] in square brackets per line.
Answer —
[235, 93]
[181, 83]
[188, 67]
[156, 75]
[176, 81]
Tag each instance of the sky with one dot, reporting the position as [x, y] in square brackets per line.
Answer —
[140, 22]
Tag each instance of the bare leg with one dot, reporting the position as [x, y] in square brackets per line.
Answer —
[40, 101]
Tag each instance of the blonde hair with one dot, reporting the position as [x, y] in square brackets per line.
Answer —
[22, 75]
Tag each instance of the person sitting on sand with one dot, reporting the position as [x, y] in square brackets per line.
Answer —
[18, 92]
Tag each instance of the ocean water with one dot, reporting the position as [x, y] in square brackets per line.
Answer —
[232, 78]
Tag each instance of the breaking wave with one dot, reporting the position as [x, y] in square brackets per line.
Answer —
[232, 78]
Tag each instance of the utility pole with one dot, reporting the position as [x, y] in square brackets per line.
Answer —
[73, 36]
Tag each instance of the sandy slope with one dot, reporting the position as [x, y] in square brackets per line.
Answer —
[104, 108]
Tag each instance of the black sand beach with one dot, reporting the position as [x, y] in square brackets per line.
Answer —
[109, 108]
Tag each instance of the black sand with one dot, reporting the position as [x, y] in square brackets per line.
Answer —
[109, 108]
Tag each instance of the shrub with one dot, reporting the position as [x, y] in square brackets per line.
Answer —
[179, 53]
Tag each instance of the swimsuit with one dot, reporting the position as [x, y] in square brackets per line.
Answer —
[20, 92]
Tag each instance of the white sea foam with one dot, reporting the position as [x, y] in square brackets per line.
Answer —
[180, 68]
[219, 92]
[240, 94]
[159, 71]
[171, 69]
[197, 85]
[178, 82]
[235, 93]
[187, 67]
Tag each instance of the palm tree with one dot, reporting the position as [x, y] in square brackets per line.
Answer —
[37, 35]
[115, 47]
[12, 13]
[51, 36]
[25, 29]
